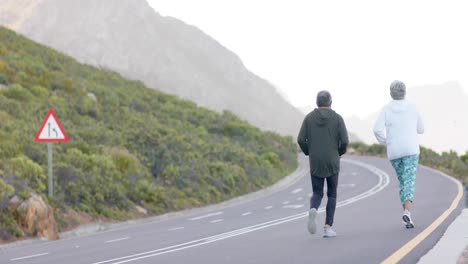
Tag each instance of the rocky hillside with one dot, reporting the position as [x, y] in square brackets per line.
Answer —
[130, 154]
[129, 37]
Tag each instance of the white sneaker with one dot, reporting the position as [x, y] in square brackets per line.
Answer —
[312, 225]
[407, 220]
[328, 232]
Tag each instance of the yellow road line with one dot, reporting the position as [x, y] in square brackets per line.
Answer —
[403, 251]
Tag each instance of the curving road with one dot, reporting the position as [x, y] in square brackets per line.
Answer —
[272, 228]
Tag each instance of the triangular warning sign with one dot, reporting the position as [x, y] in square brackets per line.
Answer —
[51, 130]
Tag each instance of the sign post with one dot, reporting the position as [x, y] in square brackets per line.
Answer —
[49, 171]
[51, 131]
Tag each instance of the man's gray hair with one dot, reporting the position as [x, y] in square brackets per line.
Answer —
[398, 90]
[324, 99]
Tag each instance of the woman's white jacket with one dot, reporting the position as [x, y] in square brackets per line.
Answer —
[397, 127]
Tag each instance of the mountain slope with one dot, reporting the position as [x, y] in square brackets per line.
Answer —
[128, 36]
[443, 108]
[127, 149]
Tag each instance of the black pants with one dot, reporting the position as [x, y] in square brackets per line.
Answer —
[316, 199]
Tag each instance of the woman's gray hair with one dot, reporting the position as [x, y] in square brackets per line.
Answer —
[398, 90]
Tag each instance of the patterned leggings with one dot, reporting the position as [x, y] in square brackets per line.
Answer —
[405, 169]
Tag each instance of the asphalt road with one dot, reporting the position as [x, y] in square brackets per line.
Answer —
[272, 229]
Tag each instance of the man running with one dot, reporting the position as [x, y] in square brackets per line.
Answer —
[324, 138]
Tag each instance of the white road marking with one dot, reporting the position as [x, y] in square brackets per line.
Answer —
[28, 257]
[384, 180]
[205, 216]
[175, 228]
[300, 199]
[350, 185]
[286, 202]
[247, 213]
[216, 221]
[297, 190]
[117, 240]
[268, 207]
[204, 241]
[294, 206]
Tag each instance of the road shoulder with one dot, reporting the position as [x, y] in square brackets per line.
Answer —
[99, 226]
[452, 244]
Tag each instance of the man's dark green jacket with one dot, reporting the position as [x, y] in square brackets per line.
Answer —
[324, 138]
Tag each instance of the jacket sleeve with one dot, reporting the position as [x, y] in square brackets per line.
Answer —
[343, 140]
[302, 138]
[379, 129]
[420, 125]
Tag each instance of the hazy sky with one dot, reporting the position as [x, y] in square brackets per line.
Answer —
[354, 49]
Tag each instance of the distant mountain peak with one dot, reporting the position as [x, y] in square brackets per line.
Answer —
[443, 109]
[16, 12]
[306, 109]
[165, 53]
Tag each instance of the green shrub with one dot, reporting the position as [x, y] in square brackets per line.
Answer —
[6, 190]
[132, 146]
[8, 226]
[39, 91]
[26, 169]
[3, 79]
[17, 92]
[448, 162]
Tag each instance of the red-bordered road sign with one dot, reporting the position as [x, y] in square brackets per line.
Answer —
[51, 130]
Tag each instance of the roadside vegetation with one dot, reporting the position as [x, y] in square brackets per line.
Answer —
[132, 149]
[448, 162]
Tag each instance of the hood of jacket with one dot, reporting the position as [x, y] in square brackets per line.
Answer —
[398, 106]
[321, 116]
